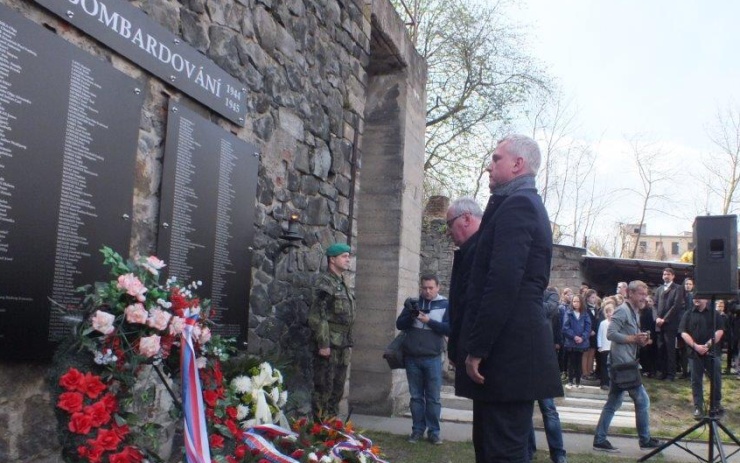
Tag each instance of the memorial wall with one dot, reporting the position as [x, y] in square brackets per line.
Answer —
[68, 148]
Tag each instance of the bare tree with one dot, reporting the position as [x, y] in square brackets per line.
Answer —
[478, 78]
[722, 177]
[652, 173]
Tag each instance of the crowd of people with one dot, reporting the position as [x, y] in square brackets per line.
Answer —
[582, 320]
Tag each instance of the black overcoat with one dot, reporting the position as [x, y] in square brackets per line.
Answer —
[504, 321]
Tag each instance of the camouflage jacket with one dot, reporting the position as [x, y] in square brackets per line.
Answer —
[332, 312]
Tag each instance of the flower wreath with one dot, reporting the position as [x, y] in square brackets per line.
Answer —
[128, 324]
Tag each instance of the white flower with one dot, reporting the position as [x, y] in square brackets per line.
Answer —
[200, 362]
[242, 411]
[242, 384]
[326, 459]
[283, 399]
[312, 457]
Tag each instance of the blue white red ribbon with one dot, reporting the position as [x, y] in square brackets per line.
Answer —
[196, 433]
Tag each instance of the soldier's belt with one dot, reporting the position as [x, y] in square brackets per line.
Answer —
[339, 328]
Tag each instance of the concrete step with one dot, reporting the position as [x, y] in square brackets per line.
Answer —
[451, 401]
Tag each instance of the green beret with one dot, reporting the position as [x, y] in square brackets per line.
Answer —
[337, 249]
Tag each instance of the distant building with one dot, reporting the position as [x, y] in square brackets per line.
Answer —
[668, 248]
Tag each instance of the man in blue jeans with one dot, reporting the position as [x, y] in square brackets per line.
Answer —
[426, 323]
[624, 333]
[553, 432]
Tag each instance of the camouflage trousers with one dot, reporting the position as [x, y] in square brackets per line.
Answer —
[329, 376]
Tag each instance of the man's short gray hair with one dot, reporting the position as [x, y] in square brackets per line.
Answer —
[525, 147]
[465, 205]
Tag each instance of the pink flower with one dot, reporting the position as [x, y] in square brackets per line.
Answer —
[149, 345]
[153, 265]
[136, 313]
[103, 322]
[205, 335]
[176, 325]
[158, 319]
[132, 285]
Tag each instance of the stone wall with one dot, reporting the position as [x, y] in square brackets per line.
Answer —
[314, 70]
[567, 271]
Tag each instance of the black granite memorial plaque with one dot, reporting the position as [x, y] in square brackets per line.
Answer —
[67, 151]
[206, 224]
[128, 30]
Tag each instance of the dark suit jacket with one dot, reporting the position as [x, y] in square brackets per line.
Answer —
[504, 321]
[670, 305]
[459, 277]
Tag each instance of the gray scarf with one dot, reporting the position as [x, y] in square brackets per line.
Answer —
[519, 183]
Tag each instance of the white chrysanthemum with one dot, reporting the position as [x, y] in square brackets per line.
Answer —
[242, 411]
[283, 399]
[200, 362]
[242, 384]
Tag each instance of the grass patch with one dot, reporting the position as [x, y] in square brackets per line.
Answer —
[397, 450]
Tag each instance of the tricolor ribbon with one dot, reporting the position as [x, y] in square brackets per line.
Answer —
[196, 433]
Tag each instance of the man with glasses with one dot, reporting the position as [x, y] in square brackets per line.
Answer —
[463, 220]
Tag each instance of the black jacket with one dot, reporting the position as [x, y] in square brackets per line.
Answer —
[670, 305]
[504, 321]
[459, 277]
[551, 304]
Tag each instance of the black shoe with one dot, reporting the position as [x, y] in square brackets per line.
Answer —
[605, 446]
[653, 443]
[414, 438]
[698, 414]
[660, 376]
[685, 376]
[717, 412]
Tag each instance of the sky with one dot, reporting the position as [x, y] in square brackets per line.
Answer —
[657, 68]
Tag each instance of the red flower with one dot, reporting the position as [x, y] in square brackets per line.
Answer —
[231, 412]
[231, 459]
[80, 423]
[73, 380]
[338, 424]
[315, 429]
[111, 403]
[298, 453]
[217, 373]
[93, 454]
[330, 443]
[71, 401]
[121, 431]
[128, 455]
[216, 441]
[98, 414]
[93, 385]
[210, 398]
[107, 439]
[240, 451]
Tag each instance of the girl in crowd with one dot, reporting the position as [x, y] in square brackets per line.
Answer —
[594, 313]
[603, 344]
[576, 331]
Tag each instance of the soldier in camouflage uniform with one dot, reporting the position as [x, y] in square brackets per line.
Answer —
[330, 318]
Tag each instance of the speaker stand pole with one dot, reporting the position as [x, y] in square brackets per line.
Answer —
[711, 421]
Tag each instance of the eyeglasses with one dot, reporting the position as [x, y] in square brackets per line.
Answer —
[452, 220]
